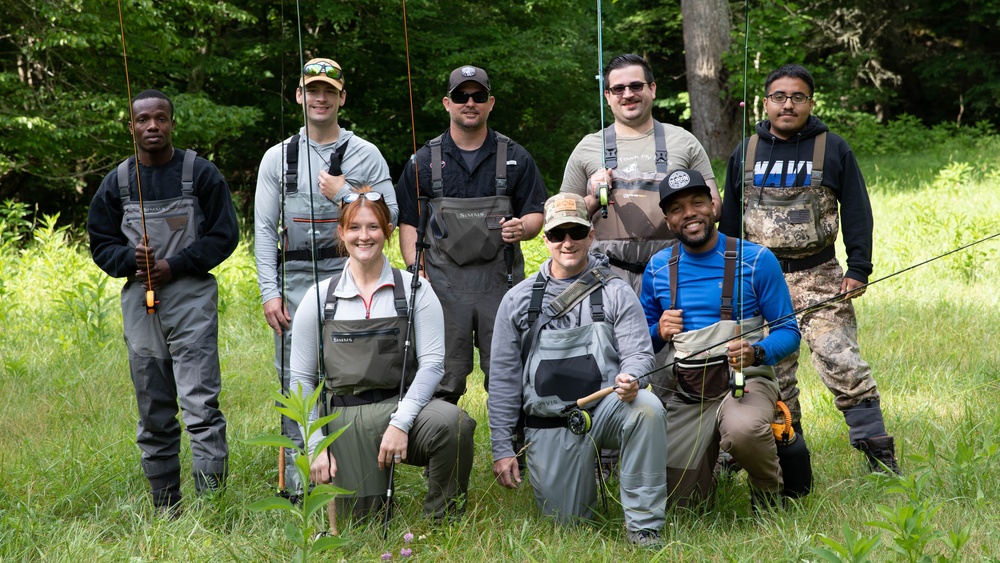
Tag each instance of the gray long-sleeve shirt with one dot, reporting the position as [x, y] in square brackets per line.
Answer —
[362, 164]
[621, 308]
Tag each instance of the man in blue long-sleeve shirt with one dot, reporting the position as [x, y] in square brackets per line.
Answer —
[695, 295]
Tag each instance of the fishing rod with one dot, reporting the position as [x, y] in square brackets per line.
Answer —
[584, 401]
[151, 301]
[603, 192]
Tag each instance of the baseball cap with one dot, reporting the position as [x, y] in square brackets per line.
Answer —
[323, 72]
[563, 209]
[680, 181]
[468, 74]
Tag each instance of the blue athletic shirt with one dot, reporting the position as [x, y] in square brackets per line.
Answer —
[699, 288]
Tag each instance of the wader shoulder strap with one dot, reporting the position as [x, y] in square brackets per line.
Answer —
[659, 140]
[728, 280]
[728, 277]
[437, 185]
[819, 157]
[500, 181]
[123, 191]
[398, 296]
[749, 159]
[588, 284]
[292, 162]
[501, 170]
[187, 173]
[675, 257]
[187, 176]
[610, 147]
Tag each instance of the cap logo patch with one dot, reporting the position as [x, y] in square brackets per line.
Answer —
[468, 71]
[679, 180]
[564, 205]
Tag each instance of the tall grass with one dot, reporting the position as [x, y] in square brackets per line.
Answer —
[72, 488]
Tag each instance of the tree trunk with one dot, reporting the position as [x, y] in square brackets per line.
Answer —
[706, 38]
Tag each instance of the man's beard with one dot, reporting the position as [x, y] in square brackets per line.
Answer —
[698, 241]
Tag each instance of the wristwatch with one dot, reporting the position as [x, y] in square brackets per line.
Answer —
[759, 355]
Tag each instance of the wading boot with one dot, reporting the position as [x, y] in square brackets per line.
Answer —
[881, 454]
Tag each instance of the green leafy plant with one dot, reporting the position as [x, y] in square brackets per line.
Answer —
[855, 548]
[88, 304]
[912, 524]
[14, 225]
[301, 531]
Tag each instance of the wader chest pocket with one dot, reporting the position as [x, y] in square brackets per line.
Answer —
[386, 339]
[787, 222]
[568, 378]
[300, 235]
[706, 378]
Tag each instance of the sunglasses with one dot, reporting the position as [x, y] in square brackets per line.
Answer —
[635, 87]
[355, 196]
[460, 97]
[316, 69]
[578, 232]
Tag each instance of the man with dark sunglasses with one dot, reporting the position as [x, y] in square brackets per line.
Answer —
[300, 185]
[486, 196]
[574, 329]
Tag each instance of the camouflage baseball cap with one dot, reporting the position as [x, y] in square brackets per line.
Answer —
[562, 209]
[681, 181]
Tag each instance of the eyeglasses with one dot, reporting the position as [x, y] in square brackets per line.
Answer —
[355, 196]
[797, 98]
[635, 87]
[460, 97]
[316, 69]
[578, 232]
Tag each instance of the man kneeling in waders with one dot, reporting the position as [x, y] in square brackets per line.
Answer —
[696, 294]
[570, 331]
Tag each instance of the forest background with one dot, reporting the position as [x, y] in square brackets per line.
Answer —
[912, 86]
[231, 68]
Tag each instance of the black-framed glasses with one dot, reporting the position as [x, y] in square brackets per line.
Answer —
[635, 87]
[316, 69]
[797, 98]
[578, 232]
[460, 97]
[355, 196]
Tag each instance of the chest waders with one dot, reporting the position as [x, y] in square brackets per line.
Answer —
[633, 209]
[305, 214]
[707, 375]
[364, 357]
[171, 223]
[466, 240]
[563, 365]
[174, 354]
[798, 224]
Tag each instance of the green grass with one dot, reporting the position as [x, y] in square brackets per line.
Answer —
[72, 489]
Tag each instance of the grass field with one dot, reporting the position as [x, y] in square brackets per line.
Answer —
[72, 489]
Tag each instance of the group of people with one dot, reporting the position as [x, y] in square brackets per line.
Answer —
[643, 333]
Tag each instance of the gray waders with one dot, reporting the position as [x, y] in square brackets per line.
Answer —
[174, 354]
[560, 366]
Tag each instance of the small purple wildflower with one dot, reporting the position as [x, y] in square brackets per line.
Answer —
[386, 556]
[407, 537]
[405, 552]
